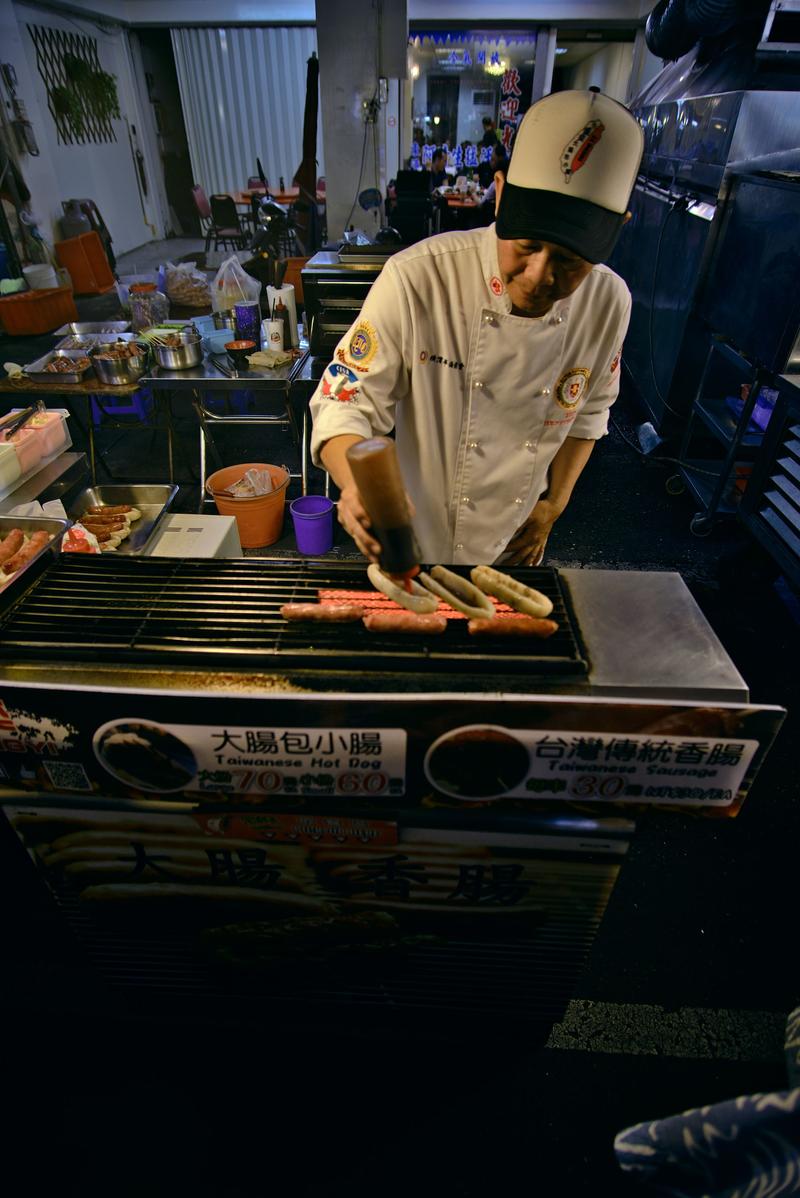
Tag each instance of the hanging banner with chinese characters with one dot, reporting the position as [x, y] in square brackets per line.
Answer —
[509, 113]
[382, 753]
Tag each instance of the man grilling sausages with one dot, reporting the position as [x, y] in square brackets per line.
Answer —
[495, 353]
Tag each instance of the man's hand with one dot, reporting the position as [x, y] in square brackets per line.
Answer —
[354, 520]
[526, 547]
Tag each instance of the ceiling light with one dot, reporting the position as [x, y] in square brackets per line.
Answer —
[562, 49]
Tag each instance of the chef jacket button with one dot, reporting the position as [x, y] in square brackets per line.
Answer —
[478, 384]
[529, 444]
[558, 319]
[474, 445]
[545, 391]
[489, 318]
[465, 499]
[459, 545]
[518, 500]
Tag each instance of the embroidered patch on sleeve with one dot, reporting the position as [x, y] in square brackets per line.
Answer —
[496, 285]
[617, 359]
[340, 384]
[363, 344]
[571, 386]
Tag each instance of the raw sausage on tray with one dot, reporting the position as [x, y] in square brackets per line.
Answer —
[324, 613]
[37, 541]
[512, 626]
[11, 544]
[405, 621]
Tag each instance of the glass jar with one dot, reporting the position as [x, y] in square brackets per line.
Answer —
[149, 306]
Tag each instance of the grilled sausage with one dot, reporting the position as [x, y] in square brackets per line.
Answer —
[515, 594]
[37, 541]
[459, 593]
[415, 599]
[512, 626]
[12, 544]
[323, 613]
[119, 509]
[405, 621]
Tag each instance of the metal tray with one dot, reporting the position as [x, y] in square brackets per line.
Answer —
[152, 501]
[37, 371]
[93, 326]
[11, 584]
[84, 341]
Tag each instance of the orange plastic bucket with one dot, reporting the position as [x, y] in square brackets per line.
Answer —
[259, 519]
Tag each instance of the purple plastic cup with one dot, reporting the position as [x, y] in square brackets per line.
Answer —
[312, 516]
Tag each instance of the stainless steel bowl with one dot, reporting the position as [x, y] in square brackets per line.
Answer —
[225, 320]
[119, 372]
[180, 357]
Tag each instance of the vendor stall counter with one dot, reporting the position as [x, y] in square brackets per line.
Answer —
[231, 807]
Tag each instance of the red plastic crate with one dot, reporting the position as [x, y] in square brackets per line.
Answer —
[37, 311]
[86, 261]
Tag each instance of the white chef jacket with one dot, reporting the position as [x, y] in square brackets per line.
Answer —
[481, 400]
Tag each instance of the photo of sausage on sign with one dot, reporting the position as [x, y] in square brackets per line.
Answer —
[477, 762]
[144, 755]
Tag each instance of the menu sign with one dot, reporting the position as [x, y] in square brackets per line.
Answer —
[374, 754]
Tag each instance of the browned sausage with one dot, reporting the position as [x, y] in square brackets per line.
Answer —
[38, 541]
[11, 545]
[96, 522]
[103, 509]
[405, 621]
[513, 626]
[325, 613]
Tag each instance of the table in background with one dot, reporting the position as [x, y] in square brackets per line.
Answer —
[289, 196]
[199, 380]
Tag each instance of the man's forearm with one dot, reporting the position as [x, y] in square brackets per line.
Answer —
[566, 468]
[333, 456]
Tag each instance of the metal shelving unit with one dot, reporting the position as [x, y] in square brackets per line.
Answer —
[771, 506]
[709, 480]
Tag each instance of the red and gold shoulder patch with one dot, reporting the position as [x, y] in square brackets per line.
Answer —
[571, 386]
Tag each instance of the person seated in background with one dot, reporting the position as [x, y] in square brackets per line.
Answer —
[499, 165]
[439, 174]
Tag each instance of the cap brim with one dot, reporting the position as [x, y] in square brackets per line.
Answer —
[580, 226]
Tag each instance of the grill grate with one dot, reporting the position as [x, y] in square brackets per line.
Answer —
[228, 611]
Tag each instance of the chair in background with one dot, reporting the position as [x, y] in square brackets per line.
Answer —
[413, 212]
[204, 212]
[226, 228]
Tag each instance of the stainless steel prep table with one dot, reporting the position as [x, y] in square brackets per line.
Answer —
[198, 380]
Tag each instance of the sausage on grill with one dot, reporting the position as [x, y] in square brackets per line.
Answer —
[405, 621]
[525, 599]
[324, 613]
[512, 626]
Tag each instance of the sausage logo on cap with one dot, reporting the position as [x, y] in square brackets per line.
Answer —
[571, 386]
[363, 344]
[579, 147]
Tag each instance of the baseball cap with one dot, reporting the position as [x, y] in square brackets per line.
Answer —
[575, 160]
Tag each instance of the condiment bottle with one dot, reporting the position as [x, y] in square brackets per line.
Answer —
[376, 472]
[281, 312]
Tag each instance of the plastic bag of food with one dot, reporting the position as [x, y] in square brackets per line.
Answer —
[233, 285]
[187, 285]
[254, 482]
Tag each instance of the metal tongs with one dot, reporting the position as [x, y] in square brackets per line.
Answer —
[14, 421]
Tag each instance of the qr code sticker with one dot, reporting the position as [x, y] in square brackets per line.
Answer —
[67, 775]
